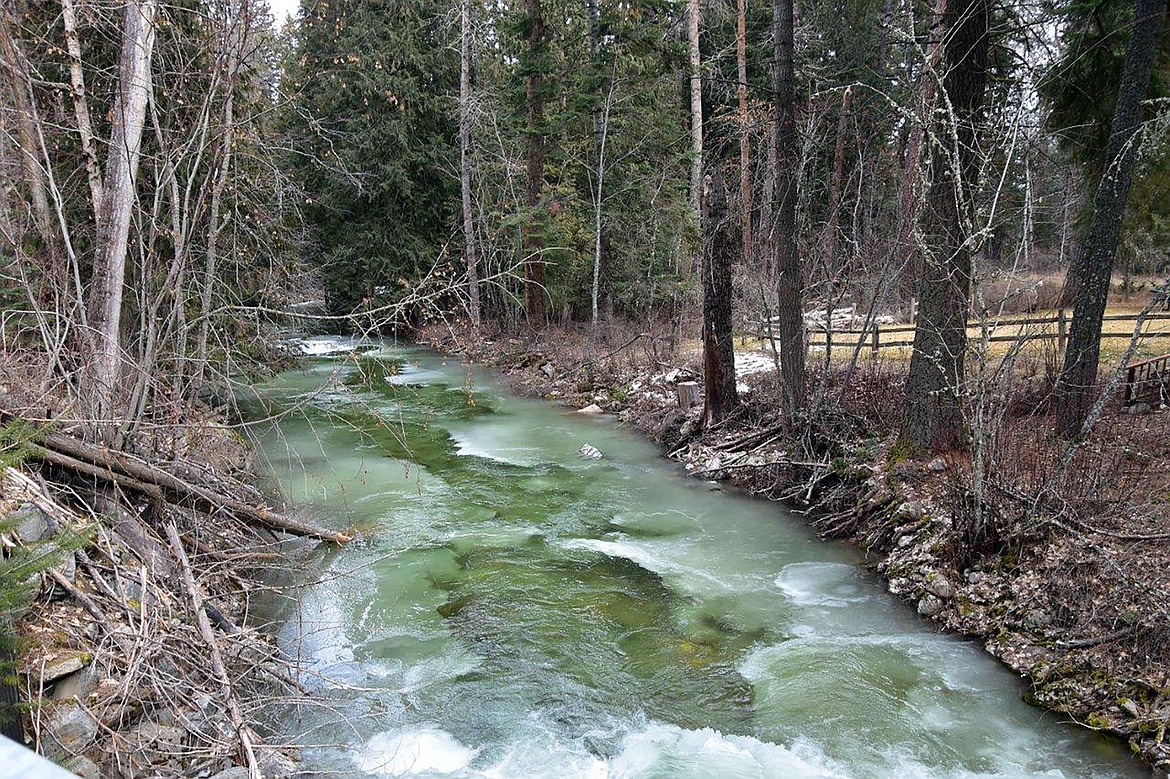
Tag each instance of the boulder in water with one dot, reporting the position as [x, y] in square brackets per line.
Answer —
[591, 409]
[590, 452]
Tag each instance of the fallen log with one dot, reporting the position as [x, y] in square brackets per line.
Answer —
[134, 474]
[244, 732]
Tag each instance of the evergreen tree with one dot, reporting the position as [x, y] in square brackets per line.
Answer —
[1095, 264]
[373, 142]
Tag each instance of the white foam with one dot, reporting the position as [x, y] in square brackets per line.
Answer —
[482, 443]
[413, 374]
[541, 750]
[823, 584]
[454, 661]
[662, 750]
[328, 345]
[413, 750]
[643, 555]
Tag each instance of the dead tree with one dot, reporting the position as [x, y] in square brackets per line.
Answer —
[237, 18]
[696, 75]
[81, 105]
[719, 391]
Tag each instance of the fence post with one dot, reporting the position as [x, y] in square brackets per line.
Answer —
[1061, 329]
[875, 340]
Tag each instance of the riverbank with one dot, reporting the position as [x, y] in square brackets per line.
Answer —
[132, 571]
[1068, 593]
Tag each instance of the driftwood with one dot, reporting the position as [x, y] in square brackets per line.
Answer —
[131, 473]
[243, 731]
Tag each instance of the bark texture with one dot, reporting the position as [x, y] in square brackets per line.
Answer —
[1094, 266]
[910, 193]
[745, 144]
[832, 243]
[81, 105]
[13, 62]
[109, 271]
[789, 327]
[719, 392]
[932, 419]
[693, 14]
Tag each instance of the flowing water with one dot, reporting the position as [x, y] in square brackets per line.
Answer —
[515, 610]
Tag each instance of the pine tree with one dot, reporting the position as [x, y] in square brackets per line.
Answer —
[932, 417]
[374, 143]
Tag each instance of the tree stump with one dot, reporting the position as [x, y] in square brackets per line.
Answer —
[688, 394]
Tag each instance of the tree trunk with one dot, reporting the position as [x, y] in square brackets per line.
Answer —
[789, 327]
[27, 146]
[745, 144]
[234, 35]
[909, 195]
[534, 293]
[766, 226]
[598, 228]
[113, 232]
[932, 418]
[836, 182]
[719, 393]
[1093, 268]
[600, 137]
[696, 111]
[81, 105]
[465, 156]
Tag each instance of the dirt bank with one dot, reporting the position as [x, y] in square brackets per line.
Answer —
[135, 569]
[1066, 583]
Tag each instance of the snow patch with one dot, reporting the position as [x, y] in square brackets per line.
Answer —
[750, 363]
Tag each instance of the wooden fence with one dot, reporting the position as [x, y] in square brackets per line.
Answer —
[1148, 382]
[1049, 328]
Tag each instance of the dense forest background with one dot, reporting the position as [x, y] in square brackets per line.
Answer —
[180, 179]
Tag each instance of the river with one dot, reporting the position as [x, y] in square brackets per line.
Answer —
[513, 609]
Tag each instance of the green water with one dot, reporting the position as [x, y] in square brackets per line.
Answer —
[514, 610]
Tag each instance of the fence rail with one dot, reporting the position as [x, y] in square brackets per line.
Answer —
[873, 334]
[1148, 381]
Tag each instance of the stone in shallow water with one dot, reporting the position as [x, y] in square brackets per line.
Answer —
[592, 408]
[591, 452]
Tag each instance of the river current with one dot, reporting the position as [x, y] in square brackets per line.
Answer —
[512, 609]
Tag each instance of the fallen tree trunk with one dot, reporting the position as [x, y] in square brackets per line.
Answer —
[134, 474]
[244, 732]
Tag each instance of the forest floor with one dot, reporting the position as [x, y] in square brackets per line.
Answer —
[135, 653]
[1065, 580]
